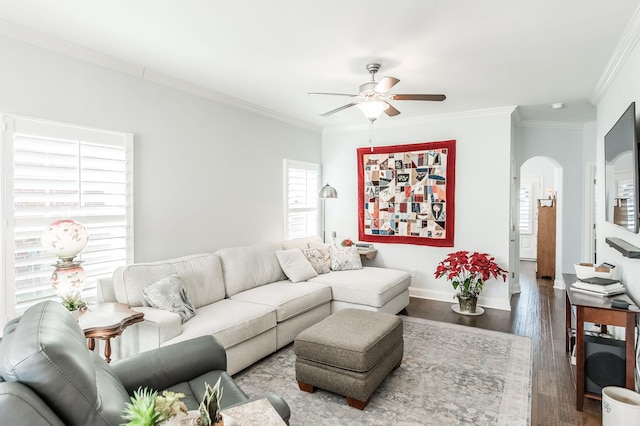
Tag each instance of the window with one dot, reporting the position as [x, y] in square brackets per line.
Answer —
[301, 199]
[526, 209]
[53, 171]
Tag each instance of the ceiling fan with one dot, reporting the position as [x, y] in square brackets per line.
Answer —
[373, 98]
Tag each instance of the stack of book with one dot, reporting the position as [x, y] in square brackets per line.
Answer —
[364, 245]
[599, 286]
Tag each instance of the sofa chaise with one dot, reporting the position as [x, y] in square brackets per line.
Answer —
[243, 297]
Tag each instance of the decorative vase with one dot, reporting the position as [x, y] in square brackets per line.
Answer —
[76, 313]
[467, 303]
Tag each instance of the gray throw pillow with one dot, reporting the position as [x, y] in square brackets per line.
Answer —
[169, 294]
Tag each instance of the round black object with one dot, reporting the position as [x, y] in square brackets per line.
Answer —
[605, 369]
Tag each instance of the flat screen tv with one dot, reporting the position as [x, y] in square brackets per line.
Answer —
[621, 172]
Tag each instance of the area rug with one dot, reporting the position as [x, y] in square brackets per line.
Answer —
[450, 375]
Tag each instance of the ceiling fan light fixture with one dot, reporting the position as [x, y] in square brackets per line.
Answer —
[372, 109]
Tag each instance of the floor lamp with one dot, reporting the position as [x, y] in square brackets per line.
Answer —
[325, 192]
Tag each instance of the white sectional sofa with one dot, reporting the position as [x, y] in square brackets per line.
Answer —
[242, 296]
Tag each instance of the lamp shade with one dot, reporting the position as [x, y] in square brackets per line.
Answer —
[328, 191]
[372, 109]
[64, 238]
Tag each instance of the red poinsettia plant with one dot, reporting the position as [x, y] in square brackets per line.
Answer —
[468, 272]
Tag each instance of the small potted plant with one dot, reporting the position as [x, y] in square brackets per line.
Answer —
[73, 302]
[140, 411]
[467, 274]
[210, 406]
[147, 408]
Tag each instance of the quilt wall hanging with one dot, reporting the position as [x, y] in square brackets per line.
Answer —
[406, 193]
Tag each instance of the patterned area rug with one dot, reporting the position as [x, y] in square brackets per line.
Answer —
[450, 375]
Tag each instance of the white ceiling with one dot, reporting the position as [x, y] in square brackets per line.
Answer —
[267, 55]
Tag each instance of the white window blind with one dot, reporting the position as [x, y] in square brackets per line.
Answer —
[526, 209]
[55, 171]
[301, 199]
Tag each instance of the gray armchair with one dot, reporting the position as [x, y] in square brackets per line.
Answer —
[49, 377]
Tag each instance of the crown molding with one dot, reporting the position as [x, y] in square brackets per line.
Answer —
[57, 45]
[194, 89]
[626, 44]
[553, 124]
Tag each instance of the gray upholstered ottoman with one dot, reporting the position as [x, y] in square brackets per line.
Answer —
[349, 353]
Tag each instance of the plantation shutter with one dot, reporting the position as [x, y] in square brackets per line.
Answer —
[57, 171]
[526, 209]
[301, 199]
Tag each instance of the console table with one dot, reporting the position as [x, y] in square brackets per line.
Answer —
[598, 310]
[106, 320]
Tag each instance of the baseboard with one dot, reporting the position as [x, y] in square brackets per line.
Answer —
[559, 283]
[445, 296]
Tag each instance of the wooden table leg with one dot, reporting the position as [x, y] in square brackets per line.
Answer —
[630, 353]
[567, 323]
[91, 343]
[579, 358]
[107, 349]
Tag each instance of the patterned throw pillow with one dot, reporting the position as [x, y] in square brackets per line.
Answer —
[345, 258]
[169, 294]
[319, 259]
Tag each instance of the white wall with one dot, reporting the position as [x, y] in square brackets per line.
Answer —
[624, 89]
[207, 175]
[482, 206]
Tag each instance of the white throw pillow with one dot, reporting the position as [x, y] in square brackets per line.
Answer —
[169, 294]
[295, 265]
[345, 258]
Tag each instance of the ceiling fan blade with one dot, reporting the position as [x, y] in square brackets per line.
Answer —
[333, 111]
[418, 97]
[391, 111]
[385, 84]
[334, 94]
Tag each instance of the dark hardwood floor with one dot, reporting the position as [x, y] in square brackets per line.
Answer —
[537, 312]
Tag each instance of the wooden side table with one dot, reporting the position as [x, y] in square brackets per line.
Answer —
[106, 320]
[367, 253]
[598, 310]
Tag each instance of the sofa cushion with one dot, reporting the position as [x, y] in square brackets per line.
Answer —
[169, 294]
[230, 321]
[200, 273]
[47, 352]
[295, 265]
[244, 268]
[301, 243]
[287, 298]
[367, 286]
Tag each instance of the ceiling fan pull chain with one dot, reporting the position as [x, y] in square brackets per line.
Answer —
[371, 134]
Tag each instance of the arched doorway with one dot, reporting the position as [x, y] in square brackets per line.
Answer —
[540, 178]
